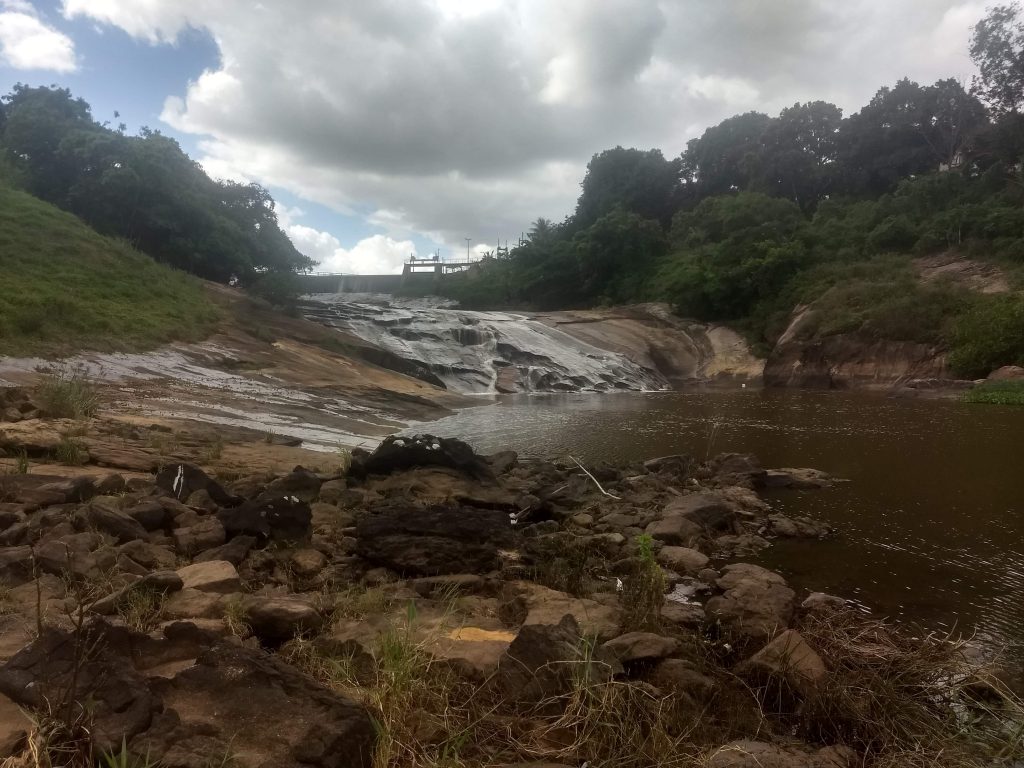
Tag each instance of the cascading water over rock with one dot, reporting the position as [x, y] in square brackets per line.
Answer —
[479, 352]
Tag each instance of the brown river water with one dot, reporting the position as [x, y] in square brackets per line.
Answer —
[930, 526]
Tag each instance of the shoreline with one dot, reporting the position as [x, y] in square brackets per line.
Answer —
[486, 575]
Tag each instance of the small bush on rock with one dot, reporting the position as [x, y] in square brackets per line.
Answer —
[643, 591]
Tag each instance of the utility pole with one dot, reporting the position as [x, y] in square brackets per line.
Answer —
[468, 241]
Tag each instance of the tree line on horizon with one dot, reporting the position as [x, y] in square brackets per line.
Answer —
[761, 214]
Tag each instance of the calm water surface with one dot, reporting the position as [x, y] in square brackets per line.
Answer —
[931, 526]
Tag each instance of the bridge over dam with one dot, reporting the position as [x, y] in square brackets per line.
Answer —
[422, 274]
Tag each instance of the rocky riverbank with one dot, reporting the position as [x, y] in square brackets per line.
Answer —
[423, 605]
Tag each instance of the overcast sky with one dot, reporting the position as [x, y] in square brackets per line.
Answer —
[390, 126]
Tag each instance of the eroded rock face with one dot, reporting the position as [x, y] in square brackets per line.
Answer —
[756, 602]
[433, 540]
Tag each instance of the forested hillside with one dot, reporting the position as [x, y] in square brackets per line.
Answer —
[143, 189]
[762, 214]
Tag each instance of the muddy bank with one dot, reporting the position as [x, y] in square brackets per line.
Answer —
[424, 600]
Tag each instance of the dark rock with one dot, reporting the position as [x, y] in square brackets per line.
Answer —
[681, 677]
[742, 469]
[120, 702]
[706, 510]
[15, 565]
[300, 483]
[181, 480]
[150, 514]
[205, 534]
[276, 620]
[102, 516]
[642, 646]
[675, 530]
[503, 461]
[677, 464]
[234, 551]
[247, 697]
[282, 518]
[332, 491]
[545, 659]
[397, 453]
[159, 582]
[756, 602]
[150, 556]
[438, 539]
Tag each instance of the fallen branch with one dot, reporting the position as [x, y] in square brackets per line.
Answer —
[602, 490]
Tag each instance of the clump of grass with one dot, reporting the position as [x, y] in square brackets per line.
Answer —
[907, 702]
[125, 759]
[996, 393]
[141, 609]
[212, 451]
[236, 619]
[71, 452]
[643, 590]
[355, 602]
[68, 393]
[568, 568]
[344, 459]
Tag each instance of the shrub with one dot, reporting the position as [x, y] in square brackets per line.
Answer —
[643, 591]
[988, 336]
[67, 393]
[997, 393]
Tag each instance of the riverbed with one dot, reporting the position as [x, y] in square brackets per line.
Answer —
[930, 528]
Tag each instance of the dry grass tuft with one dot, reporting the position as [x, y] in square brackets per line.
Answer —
[907, 702]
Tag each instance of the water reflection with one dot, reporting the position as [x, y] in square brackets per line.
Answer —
[931, 525]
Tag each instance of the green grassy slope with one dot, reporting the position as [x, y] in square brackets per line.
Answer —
[65, 288]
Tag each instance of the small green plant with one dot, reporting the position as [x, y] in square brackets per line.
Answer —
[125, 759]
[345, 458]
[21, 465]
[68, 393]
[643, 591]
[71, 452]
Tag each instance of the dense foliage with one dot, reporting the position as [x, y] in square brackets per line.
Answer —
[143, 189]
[762, 214]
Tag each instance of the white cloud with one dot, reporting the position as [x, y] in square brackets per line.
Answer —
[469, 118]
[26, 42]
[374, 255]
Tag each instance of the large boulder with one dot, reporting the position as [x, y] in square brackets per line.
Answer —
[397, 453]
[101, 515]
[240, 700]
[710, 512]
[181, 480]
[755, 603]
[545, 660]
[682, 560]
[282, 518]
[300, 483]
[675, 530]
[217, 576]
[735, 469]
[276, 620]
[433, 540]
[789, 658]
[51, 669]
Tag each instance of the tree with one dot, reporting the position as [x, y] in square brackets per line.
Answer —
[726, 158]
[616, 255]
[799, 153]
[638, 181]
[997, 49]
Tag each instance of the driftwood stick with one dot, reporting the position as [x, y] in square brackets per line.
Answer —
[602, 490]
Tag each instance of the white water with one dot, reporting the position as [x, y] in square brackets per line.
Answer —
[479, 352]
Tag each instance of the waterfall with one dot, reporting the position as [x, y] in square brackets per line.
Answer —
[478, 352]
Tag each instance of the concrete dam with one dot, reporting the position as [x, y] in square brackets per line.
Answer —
[421, 273]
